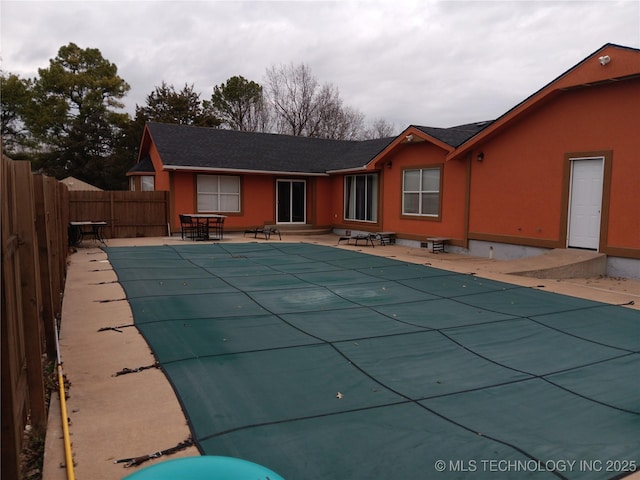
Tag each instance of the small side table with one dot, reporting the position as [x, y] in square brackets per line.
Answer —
[386, 238]
[438, 244]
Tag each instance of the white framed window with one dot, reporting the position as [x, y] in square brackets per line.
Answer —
[218, 193]
[147, 183]
[361, 197]
[421, 192]
[132, 184]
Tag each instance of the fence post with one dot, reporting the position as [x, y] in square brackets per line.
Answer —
[31, 295]
[112, 223]
[57, 203]
[46, 229]
[12, 351]
[168, 213]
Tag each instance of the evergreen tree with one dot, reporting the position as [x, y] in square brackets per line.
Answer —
[166, 105]
[15, 99]
[239, 104]
[74, 115]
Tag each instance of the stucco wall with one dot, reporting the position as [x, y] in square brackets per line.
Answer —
[450, 223]
[519, 190]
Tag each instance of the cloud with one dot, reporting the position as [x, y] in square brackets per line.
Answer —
[435, 63]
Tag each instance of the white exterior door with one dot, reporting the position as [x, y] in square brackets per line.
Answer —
[585, 202]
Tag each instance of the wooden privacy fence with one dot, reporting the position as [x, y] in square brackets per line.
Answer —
[34, 211]
[35, 214]
[128, 214]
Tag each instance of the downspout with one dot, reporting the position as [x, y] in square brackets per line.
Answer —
[171, 200]
[467, 202]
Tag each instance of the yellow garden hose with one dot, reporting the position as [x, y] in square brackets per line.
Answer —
[65, 419]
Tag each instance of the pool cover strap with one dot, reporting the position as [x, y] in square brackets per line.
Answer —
[135, 461]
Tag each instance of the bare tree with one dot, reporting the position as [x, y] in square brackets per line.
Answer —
[291, 91]
[380, 128]
[301, 106]
[339, 122]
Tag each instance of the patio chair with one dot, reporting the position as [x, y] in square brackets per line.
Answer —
[346, 236]
[266, 230]
[189, 228]
[367, 237]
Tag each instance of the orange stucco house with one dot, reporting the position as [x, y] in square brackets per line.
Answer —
[559, 170]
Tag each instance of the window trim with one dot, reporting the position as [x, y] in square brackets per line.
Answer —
[218, 193]
[423, 216]
[370, 197]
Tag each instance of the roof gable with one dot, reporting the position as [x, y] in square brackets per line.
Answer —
[607, 64]
[445, 138]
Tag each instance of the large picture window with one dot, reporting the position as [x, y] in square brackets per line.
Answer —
[218, 193]
[421, 192]
[361, 197]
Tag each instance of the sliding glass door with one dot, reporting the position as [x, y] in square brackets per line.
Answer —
[291, 201]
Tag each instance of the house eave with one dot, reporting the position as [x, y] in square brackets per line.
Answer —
[140, 174]
[347, 170]
[242, 170]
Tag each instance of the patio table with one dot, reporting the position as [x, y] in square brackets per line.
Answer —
[212, 225]
[78, 230]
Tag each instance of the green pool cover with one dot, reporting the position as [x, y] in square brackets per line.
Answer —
[325, 363]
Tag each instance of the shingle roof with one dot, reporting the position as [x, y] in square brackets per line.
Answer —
[182, 146]
[143, 166]
[455, 136]
[200, 147]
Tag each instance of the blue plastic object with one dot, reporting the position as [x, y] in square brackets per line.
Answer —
[205, 468]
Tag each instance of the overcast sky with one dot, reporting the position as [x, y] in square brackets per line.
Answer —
[430, 63]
